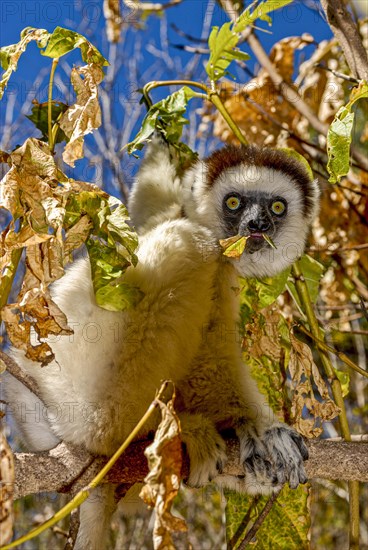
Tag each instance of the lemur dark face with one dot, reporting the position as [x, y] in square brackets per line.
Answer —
[252, 215]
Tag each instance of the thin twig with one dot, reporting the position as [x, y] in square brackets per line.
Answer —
[344, 358]
[257, 524]
[49, 104]
[337, 73]
[244, 523]
[149, 6]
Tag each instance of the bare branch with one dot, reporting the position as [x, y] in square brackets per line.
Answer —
[66, 469]
[347, 34]
[149, 6]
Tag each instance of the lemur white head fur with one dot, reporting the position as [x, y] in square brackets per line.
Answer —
[253, 191]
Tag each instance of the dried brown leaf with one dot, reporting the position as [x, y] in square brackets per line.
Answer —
[304, 373]
[6, 490]
[259, 103]
[162, 483]
[85, 115]
[76, 236]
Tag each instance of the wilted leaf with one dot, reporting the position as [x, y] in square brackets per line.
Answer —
[57, 215]
[259, 108]
[85, 115]
[304, 374]
[164, 457]
[24, 189]
[339, 136]
[233, 246]
[62, 41]
[9, 55]
[6, 490]
[167, 115]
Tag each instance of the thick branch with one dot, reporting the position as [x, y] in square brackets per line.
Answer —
[347, 34]
[13, 368]
[67, 469]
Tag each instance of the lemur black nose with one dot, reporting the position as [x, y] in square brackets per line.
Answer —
[259, 225]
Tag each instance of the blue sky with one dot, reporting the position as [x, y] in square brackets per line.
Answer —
[87, 18]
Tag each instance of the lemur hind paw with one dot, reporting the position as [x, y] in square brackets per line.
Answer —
[274, 458]
[207, 456]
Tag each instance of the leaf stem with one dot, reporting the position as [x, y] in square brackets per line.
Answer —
[82, 495]
[216, 101]
[159, 83]
[49, 104]
[303, 293]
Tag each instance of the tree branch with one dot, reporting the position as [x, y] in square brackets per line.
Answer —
[347, 34]
[66, 469]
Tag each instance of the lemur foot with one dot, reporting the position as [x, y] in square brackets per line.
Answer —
[272, 458]
[205, 447]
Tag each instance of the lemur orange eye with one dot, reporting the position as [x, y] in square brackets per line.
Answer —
[233, 203]
[278, 208]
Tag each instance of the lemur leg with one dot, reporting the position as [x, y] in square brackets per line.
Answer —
[205, 447]
[271, 453]
[95, 518]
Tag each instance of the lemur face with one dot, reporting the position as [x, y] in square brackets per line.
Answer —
[255, 192]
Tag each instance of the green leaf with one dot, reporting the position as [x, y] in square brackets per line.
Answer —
[111, 246]
[39, 117]
[9, 55]
[223, 41]
[297, 156]
[286, 526]
[108, 268]
[312, 273]
[344, 379]
[63, 41]
[167, 114]
[339, 135]
[260, 293]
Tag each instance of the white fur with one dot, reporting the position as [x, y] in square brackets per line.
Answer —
[185, 329]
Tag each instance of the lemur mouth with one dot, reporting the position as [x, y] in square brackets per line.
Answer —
[235, 246]
[256, 235]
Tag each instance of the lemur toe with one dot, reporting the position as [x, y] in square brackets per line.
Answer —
[288, 450]
[274, 458]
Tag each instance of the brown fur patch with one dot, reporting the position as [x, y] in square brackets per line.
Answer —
[231, 156]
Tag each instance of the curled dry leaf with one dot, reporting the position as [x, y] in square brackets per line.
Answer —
[9, 55]
[162, 483]
[304, 373]
[85, 115]
[6, 490]
[52, 216]
[233, 246]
